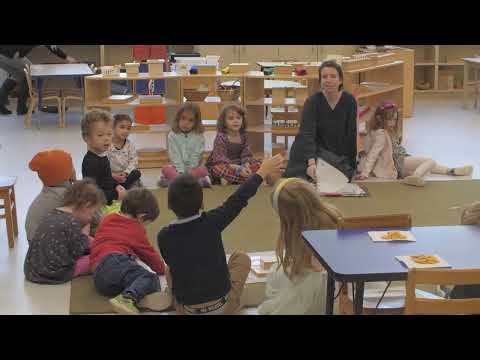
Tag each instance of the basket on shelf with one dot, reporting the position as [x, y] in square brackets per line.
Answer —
[110, 70]
[229, 92]
[195, 94]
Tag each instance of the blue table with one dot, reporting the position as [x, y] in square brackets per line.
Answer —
[351, 255]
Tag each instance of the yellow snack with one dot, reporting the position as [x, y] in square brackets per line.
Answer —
[425, 259]
[394, 235]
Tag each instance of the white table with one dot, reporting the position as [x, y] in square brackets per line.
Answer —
[40, 72]
[470, 63]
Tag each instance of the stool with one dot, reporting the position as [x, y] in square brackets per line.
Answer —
[9, 207]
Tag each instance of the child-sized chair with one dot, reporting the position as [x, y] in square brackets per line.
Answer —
[47, 96]
[9, 207]
[415, 305]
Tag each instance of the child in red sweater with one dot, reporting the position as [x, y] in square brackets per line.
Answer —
[120, 251]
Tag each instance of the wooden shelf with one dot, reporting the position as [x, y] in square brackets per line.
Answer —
[378, 92]
[425, 63]
[152, 129]
[432, 91]
[213, 100]
[268, 102]
[140, 76]
[374, 67]
[268, 129]
[451, 64]
[133, 103]
[260, 75]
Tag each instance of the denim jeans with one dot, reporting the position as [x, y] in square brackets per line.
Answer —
[120, 274]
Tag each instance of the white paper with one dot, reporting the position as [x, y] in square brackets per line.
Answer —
[329, 179]
[407, 260]
[377, 236]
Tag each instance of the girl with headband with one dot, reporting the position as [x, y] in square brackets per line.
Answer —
[386, 158]
[298, 285]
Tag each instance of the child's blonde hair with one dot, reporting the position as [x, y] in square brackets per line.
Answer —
[300, 208]
[387, 110]
[197, 117]
[93, 117]
[222, 117]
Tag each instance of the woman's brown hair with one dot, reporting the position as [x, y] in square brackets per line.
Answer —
[222, 118]
[197, 117]
[83, 194]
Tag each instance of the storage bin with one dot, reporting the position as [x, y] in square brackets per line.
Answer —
[149, 115]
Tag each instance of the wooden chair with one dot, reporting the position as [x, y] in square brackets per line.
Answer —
[9, 207]
[415, 305]
[47, 96]
[377, 221]
[71, 95]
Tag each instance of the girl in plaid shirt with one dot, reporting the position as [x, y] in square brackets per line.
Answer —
[231, 161]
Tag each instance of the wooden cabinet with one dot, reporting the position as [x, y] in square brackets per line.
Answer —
[254, 53]
[298, 52]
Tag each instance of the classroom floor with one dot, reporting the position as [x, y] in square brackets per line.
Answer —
[440, 129]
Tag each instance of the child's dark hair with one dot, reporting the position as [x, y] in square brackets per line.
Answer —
[118, 118]
[185, 196]
[222, 118]
[331, 64]
[93, 117]
[385, 111]
[197, 117]
[82, 194]
[140, 201]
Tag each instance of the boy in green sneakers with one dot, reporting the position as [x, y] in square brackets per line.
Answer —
[124, 264]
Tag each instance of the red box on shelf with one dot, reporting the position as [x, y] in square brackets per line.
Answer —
[150, 115]
[141, 52]
[158, 52]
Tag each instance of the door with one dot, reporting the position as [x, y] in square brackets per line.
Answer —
[255, 53]
[298, 52]
[228, 53]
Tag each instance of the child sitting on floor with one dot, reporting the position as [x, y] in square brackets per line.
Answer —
[186, 146]
[55, 169]
[200, 279]
[97, 133]
[122, 153]
[59, 250]
[298, 286]
[231, 161]
[121, 250]
[386, 158]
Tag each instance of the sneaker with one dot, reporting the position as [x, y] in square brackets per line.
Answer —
[414, 180]
[463, 171]
[163, 182]
[124, 305]
[157, 301]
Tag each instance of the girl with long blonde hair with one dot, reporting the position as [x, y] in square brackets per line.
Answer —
[298, 285]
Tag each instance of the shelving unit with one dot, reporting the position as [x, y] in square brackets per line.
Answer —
[257, 106]
[285, 104]
[391, 74]
[98, 87]
[441, 66]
